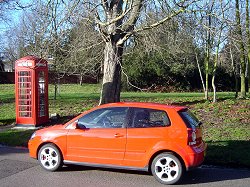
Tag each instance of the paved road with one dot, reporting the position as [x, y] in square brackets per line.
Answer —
[18, 170]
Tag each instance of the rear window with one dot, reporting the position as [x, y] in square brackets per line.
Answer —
[190, 119]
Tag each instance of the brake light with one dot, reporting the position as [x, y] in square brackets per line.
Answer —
[191, 137]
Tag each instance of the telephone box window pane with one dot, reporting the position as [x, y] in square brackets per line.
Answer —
[41, 93]
[24, 93]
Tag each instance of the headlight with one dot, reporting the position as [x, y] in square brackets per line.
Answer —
[33, 135]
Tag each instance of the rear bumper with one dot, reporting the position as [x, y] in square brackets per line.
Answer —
[197, 156]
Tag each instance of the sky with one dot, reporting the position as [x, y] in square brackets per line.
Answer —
[13, 18]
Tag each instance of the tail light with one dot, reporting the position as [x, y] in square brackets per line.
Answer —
[191, 137]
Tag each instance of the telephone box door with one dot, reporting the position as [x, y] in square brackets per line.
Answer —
[24, 90]
[42, 94]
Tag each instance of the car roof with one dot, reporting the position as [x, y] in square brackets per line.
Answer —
[143, 104]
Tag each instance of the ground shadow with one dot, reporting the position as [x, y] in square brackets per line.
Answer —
[212, 174]
[5, 150]
[84, 168]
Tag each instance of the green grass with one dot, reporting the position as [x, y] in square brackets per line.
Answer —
[15, 137]
[226, 124]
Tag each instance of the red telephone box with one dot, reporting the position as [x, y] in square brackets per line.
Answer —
[31, 88]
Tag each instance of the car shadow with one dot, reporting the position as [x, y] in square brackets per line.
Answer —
[84, 168]
[200, 175]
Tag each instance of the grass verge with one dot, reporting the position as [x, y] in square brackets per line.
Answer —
[15, 137]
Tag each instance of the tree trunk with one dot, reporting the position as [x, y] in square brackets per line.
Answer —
[206, 81]
[236, 86]
[234, 71]
[111, 85]
[215, 65]
[208, 47]
[81, 79]
[199, 68]
[55, 91]
[214, 74]
[242, 53]
[248, 43]
[214, 89]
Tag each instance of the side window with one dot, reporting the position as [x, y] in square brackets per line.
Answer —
[146, 118]
[104, 118]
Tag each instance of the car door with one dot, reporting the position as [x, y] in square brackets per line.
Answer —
[146, 128]
[100, 137]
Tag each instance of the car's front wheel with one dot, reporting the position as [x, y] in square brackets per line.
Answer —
[166, 168]
[50, 157]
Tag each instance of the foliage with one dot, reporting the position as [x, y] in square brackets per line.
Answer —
[156, 72]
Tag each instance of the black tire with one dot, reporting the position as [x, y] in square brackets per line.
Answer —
[50, 157]
[167, 168]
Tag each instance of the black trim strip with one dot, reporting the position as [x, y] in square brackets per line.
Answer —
[105, 165]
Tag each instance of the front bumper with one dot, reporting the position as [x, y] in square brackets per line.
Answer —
[33, 146]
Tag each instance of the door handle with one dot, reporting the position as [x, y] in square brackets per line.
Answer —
[118, 135]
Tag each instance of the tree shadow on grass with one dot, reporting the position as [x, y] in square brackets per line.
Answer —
[200, 101]
[77, 97]
[5, 122]
[7, 100]
[232, 153]
[9, 123]
[59, 120]
[185, 103]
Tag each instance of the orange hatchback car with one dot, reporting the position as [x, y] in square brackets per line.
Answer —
[166, 140]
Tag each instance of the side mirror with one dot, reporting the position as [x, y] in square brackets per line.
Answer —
[77, 126]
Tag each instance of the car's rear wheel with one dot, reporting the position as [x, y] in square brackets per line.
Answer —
[167, 168]
[50, 157]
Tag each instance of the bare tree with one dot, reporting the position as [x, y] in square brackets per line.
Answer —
[84, 50]
[5, 7]
[204, 38]
[219, 39]
[242, 50]
[117, 21]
